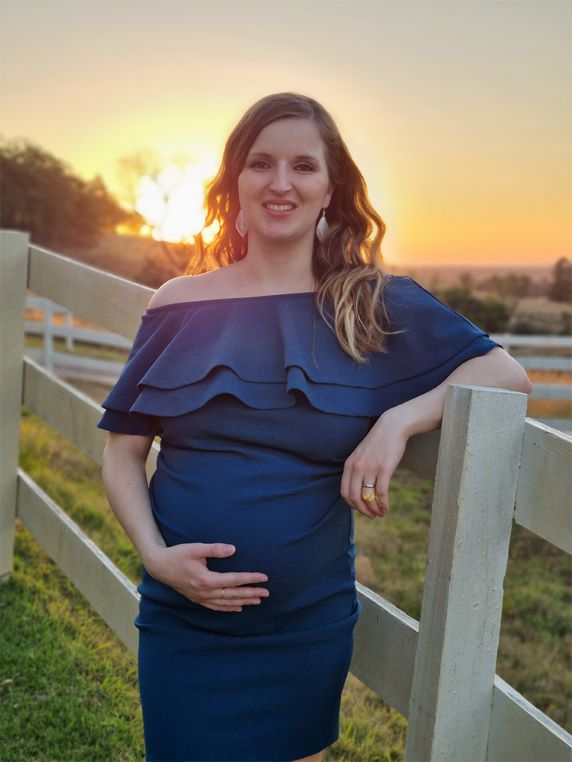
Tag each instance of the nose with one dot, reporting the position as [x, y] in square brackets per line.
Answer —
[280, 179]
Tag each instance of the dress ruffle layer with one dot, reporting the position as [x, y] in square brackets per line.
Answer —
[267, 350]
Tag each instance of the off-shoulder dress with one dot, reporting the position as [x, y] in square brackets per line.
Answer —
[258, 407]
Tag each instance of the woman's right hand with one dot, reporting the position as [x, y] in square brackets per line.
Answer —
[184, 568]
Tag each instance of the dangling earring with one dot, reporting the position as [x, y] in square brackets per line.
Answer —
[240, 224]
[322, 227]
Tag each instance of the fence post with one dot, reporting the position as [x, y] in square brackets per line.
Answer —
[13, 283]
[471, 520]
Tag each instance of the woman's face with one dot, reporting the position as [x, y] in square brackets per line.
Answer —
[285, 164]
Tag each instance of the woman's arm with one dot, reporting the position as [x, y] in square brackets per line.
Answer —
[125, 483]
[377, 456]
[425, 413]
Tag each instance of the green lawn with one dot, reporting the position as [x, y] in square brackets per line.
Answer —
[68, 687]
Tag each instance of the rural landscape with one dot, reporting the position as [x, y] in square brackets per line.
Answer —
[67, 683]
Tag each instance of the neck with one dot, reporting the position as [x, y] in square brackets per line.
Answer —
[276, 267]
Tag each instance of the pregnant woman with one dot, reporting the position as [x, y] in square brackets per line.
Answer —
[283, 386]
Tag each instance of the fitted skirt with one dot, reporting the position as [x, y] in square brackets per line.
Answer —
[214, 696]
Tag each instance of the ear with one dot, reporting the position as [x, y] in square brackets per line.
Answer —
[330, 193]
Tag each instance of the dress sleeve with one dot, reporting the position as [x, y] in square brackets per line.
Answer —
[435, 339]
[151, 335]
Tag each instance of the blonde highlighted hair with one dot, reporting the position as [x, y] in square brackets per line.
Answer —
[347, 264]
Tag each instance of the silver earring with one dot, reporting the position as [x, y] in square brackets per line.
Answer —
[240, 224]
[322, 227]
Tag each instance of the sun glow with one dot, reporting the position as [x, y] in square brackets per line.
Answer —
[172, 203]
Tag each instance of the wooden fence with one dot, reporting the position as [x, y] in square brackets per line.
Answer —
[439, 672]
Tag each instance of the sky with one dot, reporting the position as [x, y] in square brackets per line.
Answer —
[457, 112]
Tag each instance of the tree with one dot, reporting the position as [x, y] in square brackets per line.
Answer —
[466, 280]
[510, 288]
[560, 288]
[490, 314]
[41, 195]
[130, 170]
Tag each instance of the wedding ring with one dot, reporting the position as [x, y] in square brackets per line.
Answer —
[369, 497]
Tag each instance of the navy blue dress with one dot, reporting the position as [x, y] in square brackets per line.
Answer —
[258, 407]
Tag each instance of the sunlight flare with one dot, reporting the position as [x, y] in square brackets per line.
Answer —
[172, 204]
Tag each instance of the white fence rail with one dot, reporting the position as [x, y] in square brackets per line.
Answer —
[439, 672]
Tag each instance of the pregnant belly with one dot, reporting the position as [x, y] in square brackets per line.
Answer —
[298, 532]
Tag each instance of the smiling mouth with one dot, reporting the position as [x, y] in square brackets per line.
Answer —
[279, 209]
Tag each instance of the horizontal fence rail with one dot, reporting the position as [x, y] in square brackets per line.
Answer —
[439, 672]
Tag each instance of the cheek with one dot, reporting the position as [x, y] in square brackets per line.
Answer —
[249, 186]
[316, 186]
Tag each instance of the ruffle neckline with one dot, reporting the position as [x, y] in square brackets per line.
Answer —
[267, 350]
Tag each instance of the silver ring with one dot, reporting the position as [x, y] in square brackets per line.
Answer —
[369, 485]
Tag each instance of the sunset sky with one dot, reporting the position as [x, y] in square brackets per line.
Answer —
[457, 113]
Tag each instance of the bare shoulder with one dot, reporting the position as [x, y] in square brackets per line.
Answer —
[213, 284]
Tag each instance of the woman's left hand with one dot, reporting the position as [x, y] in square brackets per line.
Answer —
[373, 462]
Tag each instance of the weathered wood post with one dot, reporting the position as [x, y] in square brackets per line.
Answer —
[473, 506]
[13, 283]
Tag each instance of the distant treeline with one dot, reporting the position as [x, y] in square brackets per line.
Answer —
[41, 195]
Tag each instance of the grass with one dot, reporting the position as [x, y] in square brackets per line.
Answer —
[68, 686]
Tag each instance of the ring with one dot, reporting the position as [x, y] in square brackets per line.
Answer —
[370, 496]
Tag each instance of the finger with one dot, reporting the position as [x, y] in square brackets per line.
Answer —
[247, 594]
[233, 579]
[378, 493]
[347, 489]
[213, 549]
[357, 481]
[238, 593]
[232, 602]
[373, 493]
[238, 600]
[382, 493]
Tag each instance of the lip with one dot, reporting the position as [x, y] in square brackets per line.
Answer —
[274, 213]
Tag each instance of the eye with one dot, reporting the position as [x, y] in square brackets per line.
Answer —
[307, 167]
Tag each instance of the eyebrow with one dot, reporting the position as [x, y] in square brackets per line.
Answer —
[300, 157]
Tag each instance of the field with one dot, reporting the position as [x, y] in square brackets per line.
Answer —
[68, 687]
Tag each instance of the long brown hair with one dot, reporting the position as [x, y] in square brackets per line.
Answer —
[347, 264]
